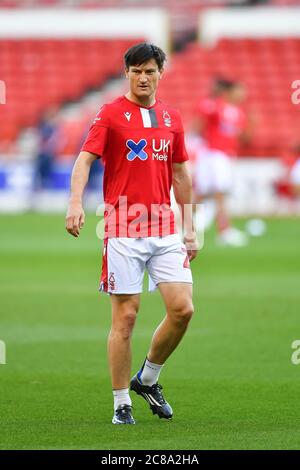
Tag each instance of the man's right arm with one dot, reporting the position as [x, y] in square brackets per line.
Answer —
[80, 175]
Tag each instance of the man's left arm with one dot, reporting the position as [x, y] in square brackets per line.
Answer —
[182, 186]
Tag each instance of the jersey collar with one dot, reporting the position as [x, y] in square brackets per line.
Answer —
[138, 105]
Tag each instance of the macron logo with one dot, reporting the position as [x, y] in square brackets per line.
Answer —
[136, 150]
[128, 116]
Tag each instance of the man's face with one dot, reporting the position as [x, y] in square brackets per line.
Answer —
[238, 94]
[143, 79]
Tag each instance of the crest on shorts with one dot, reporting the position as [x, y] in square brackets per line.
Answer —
[112, 281]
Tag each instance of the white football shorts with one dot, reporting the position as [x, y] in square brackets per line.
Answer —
[126, 259]
[295, 173]
[212, 172]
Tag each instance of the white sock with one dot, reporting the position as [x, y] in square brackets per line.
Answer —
[121, 397]
[149, 373]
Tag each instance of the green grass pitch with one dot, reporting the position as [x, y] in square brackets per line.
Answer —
[231, 382]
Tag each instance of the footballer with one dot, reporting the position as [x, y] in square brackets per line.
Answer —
[140, 140]
[222, 122]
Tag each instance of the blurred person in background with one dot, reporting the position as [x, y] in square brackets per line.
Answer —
[222, 123]
[295, 173]
[50, 142]
[287, 186]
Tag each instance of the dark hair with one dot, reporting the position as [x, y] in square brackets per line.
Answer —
[141, 53]
[224, 84]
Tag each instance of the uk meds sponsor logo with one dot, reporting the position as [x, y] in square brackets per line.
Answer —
[136, 150]
[160, 149]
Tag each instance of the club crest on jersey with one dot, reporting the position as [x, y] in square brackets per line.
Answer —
[136, 149]
[167, 119]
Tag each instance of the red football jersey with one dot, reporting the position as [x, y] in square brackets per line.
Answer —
[224, 123]
[138, 146]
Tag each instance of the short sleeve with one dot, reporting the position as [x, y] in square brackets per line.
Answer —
[180, 154]
[96, 139]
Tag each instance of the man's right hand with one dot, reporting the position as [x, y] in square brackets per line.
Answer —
[75, 218]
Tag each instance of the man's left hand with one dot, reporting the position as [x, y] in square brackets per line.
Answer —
[192, 245]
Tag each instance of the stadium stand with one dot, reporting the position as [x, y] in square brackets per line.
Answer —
[183, 15]
[54, 71]
[266, 66]
[47, 72]
[37, 74]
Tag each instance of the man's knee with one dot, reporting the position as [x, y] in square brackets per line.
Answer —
[182, 313]
[124, 326]
[129, 319]
[124, 317]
